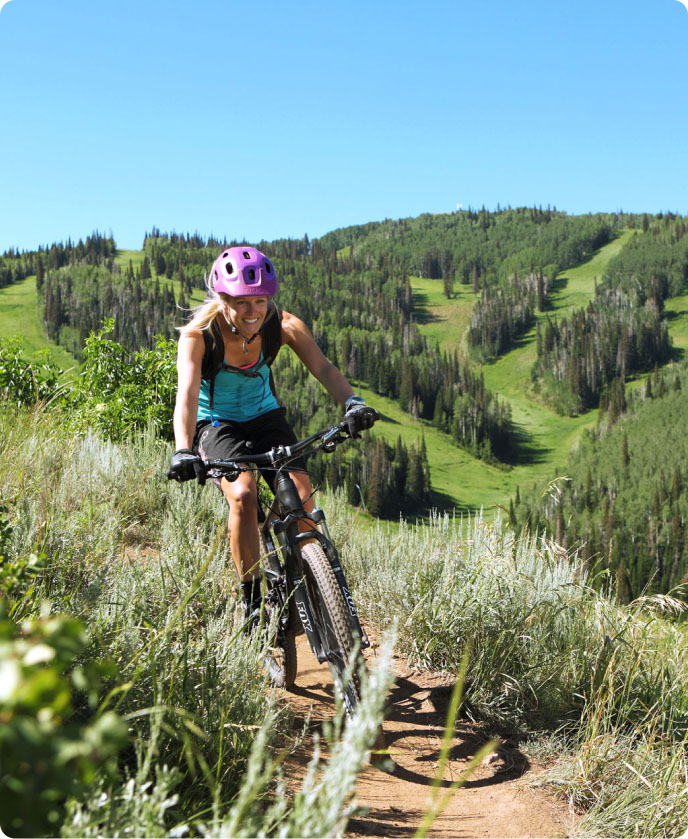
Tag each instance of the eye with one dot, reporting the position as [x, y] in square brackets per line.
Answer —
[229, 268]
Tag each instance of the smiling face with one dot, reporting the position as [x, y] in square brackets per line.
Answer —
[246, 313]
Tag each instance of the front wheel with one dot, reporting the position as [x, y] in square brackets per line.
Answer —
[332, 617]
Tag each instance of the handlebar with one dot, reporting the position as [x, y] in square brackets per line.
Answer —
[327, 440]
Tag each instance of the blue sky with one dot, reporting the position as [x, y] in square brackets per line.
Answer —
[266, 119]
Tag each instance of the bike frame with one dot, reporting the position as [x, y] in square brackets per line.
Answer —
[281, 526]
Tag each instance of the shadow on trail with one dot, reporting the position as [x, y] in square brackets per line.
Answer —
[396, 799]
[415, 714]
[418, 712]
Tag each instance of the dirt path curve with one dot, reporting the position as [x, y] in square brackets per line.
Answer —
[494, 802]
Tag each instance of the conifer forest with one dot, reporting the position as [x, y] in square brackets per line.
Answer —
[625, 498]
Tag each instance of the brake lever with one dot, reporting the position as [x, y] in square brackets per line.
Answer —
[228, 476]
[331, 439]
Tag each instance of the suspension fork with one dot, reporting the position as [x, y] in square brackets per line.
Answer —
[286, 529]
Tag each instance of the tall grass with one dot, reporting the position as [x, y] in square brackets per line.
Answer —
[145, 564]
[549, 654]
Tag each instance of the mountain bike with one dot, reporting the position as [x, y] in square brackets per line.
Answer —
[305, 590]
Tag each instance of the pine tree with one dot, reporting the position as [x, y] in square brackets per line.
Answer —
[374, 489]
[624, 593]
[40, 275]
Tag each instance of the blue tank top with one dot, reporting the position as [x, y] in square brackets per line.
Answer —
[238, 398]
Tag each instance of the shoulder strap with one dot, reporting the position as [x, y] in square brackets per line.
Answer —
[214, 351]
[272, 335]
[213, 357]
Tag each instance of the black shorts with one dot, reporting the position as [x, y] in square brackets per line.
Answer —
[232, 439]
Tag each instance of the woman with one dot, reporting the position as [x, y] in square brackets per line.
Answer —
[227, 408]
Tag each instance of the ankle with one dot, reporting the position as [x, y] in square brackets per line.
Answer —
[251, 593]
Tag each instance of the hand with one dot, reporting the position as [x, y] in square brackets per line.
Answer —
[186, 466]
[359, 416]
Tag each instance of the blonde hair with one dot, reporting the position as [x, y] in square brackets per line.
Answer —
[205, 314]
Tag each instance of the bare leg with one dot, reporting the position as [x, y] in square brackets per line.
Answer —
[242, 498]
[303, 485]
[244, 542]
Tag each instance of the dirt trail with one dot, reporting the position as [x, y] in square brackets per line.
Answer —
[494, 802]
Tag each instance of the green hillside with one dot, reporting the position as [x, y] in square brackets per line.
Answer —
[18, 316]
[458, 478]
[548, 436]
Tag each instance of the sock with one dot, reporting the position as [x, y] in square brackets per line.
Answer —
[252, 593]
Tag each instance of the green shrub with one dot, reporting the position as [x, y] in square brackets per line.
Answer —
[23, 383]
[120, 392]
[49, 750]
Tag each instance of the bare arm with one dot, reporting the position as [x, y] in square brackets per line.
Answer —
[189, 361]
[296, 335]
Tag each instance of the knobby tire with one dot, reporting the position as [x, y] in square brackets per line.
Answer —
[332, 616]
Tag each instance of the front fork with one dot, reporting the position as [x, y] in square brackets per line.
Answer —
[290, 543]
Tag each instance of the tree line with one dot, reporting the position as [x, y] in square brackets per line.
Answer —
[580, 356]
[16, 265]
[623, 499]
[77, 299]
[623, 331]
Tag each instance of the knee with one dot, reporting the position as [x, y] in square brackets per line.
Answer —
[243, 503]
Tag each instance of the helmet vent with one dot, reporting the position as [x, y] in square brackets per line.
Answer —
[247, 255]
[268, 267]
[251, 275]
[229, 268]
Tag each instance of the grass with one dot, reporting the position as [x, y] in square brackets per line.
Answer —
[19, 316]
[144, 564]
[445, 321]
[124, 257]
[676, 309]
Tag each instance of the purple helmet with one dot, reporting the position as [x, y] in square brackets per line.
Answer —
[242, 272]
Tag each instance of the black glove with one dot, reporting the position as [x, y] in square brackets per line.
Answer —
[186, 466]
[359, 416]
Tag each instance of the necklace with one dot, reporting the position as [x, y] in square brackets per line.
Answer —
[248, 341]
